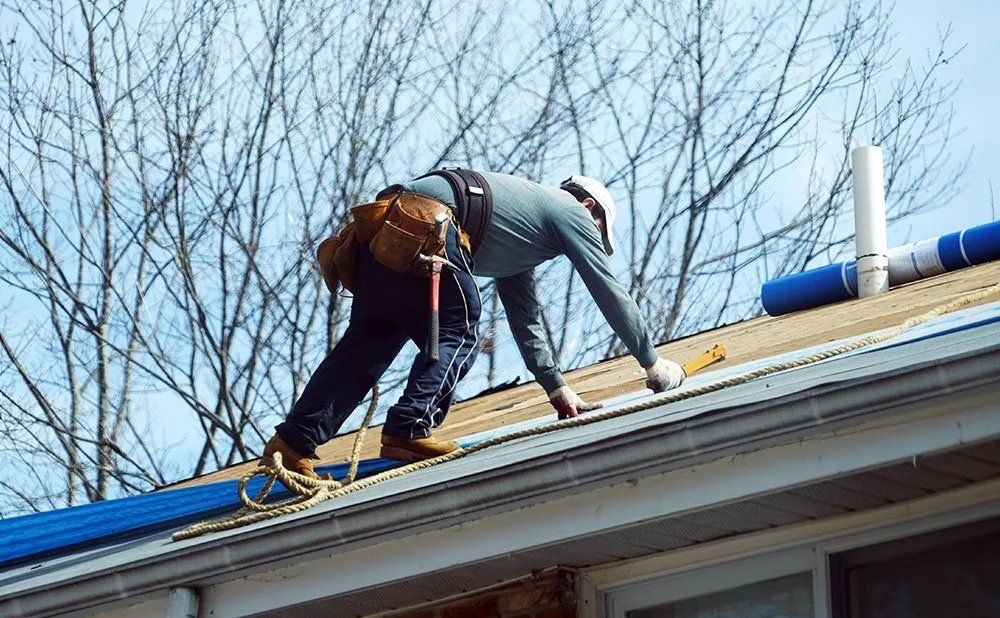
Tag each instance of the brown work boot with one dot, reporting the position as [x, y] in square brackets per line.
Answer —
[414, 449]
[290, 458]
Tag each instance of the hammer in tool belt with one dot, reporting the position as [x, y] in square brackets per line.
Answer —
[435, 263]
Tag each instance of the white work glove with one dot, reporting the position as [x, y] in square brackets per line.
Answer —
[664, 375]
[568, 404]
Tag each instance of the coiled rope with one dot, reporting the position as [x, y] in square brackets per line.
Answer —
[310, 492]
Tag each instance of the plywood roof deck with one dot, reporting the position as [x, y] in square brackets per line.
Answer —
[746, 341]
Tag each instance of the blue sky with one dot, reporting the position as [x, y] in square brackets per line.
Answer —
[975, 69]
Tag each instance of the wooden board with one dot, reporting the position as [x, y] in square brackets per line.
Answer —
[746, 341]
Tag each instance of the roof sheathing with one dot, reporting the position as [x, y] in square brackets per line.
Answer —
[746, 341]
[750, 341]
[42, 536]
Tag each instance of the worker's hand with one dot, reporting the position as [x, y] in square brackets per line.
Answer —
[568, 404]
[664, 375]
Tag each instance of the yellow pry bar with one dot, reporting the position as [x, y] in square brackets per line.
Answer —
[716, 354]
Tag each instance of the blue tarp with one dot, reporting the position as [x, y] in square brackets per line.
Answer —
[39, 534]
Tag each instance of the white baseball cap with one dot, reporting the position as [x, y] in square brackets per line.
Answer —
[596, 189]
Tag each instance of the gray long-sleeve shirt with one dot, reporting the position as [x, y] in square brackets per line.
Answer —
[531, 224]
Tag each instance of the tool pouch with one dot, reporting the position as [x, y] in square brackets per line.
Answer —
[338, 258]
[407, 232]
[397, 229]
[369, 218]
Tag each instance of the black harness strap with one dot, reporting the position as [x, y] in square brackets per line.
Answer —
[486, 212]
[473, 201]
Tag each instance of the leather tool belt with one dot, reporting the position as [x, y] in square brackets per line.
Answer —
[399, 228]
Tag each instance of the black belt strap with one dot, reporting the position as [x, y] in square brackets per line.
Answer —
[473, 201]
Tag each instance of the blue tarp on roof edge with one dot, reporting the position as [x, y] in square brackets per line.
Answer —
[40, 535]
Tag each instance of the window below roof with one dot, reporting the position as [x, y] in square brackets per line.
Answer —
[783, 597]
[776, 585]
[952, 572]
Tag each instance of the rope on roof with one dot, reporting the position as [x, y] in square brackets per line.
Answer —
[310, 492]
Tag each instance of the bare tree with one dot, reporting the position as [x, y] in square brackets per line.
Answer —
[166, 171]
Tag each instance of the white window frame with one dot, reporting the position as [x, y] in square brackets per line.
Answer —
[699, 582]
[613, 590]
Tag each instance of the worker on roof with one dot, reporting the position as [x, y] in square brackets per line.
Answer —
[511, 226]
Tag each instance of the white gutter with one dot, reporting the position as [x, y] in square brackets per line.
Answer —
[869, 221]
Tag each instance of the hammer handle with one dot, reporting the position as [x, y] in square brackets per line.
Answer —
[433, 329]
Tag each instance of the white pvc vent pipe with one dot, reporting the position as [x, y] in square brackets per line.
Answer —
[869, 221]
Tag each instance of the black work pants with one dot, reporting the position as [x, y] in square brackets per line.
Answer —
[390, 308]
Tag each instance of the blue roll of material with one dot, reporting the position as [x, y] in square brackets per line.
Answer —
[810, 288]
[981, 243]
[837, 282]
